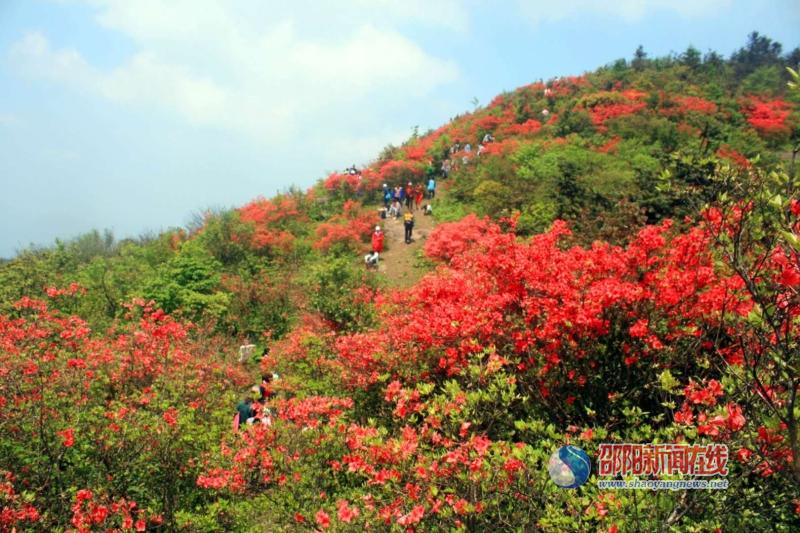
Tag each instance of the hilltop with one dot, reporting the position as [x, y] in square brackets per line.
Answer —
[612, 257]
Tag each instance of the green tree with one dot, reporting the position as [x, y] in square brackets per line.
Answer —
[188, 283]
[759, 51]
[332, 285]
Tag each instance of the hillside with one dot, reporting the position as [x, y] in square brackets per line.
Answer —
[612, 258]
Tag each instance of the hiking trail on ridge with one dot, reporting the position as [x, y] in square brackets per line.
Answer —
[399, 262]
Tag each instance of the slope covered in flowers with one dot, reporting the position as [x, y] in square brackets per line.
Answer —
[616, 260]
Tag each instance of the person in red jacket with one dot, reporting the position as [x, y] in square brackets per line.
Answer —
[419, 194]
[377, 240]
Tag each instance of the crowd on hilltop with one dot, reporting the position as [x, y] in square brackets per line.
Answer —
[401, 201]
[397, 199]
[410, 197]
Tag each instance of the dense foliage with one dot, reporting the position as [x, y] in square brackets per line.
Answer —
[617, 260]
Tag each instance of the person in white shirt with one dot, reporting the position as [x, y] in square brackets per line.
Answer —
[371, 259]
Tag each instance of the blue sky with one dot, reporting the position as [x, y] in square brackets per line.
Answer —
[132, 115]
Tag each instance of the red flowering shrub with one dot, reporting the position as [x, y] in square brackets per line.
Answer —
[768, 117]
[352, 228]
[601, 113]
[560, 298]
[121, 415]
[610, 146]
[14, 511]
[454, 238]
[90, 513]
[348, 182]
[529, 127]
[399, 171]
[633, 94]
[420, 149]
[604, 106]
[681, 105]
[501, 148]
[270, 220]
[726, 152]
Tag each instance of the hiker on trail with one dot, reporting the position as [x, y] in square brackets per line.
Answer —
[408, 222]
[419, 194]
[428, 210]
[395, 209]
[488, 138]
[445, 168]
[481, 148]
[387, 196]
[371, 259]
[409, 190]
[468, 148]
[377, 240]
[431, 188]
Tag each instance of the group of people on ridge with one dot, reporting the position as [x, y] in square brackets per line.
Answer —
[410, 196]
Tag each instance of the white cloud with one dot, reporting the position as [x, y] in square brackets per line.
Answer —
[33, 55]
[627, 10]
[450, 14]
[268, 73]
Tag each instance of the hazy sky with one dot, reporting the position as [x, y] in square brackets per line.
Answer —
[133, 114]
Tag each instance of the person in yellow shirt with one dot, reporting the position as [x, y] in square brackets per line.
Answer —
[408, 222]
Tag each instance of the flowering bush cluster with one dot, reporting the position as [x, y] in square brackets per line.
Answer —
[768, 117]
[351, 229]
[603, 107]
[681, 105]
[269, 220]
[123, 415]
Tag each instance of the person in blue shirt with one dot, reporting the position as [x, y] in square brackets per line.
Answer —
[387, 196]
[431, 188]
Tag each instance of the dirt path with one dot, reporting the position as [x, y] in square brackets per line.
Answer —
[399, 260]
